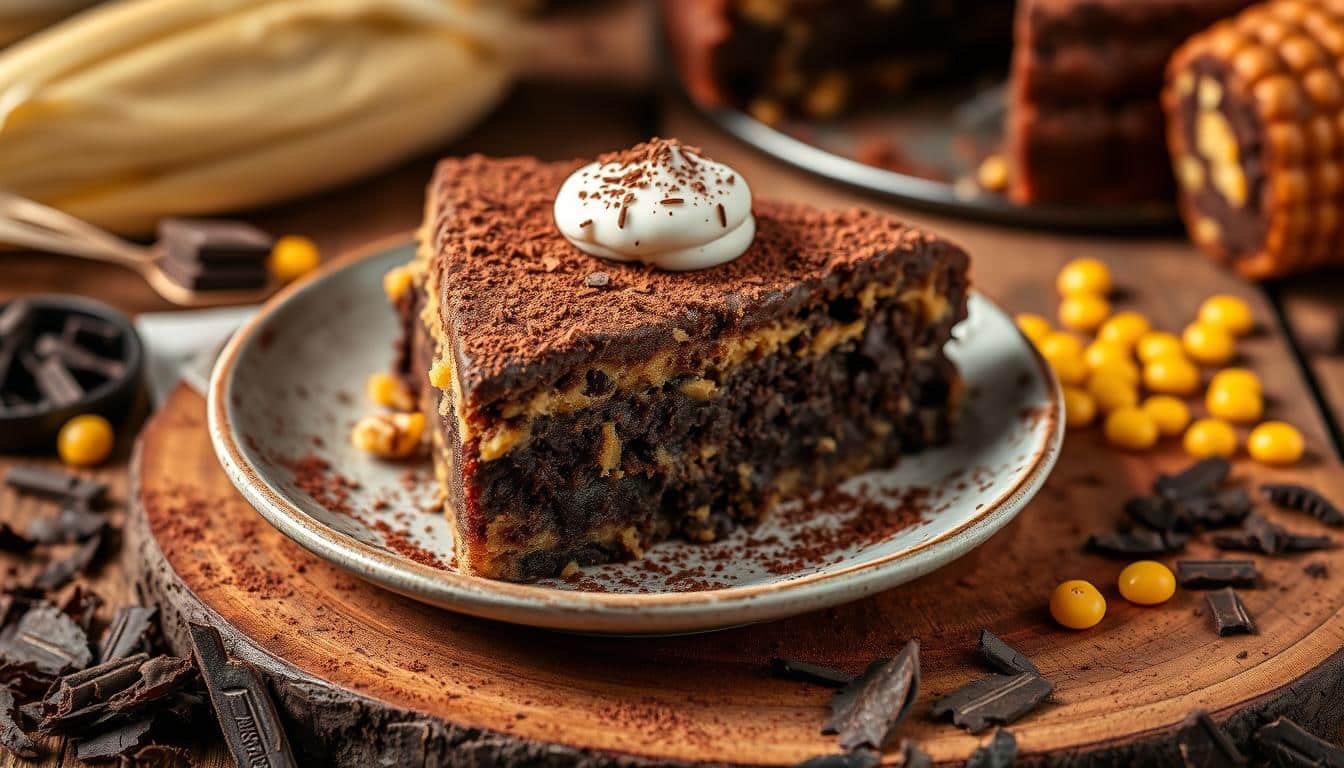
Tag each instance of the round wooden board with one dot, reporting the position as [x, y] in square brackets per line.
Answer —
[365, 677]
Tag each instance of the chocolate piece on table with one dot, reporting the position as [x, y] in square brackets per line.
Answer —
[53, 379]
[48, 639]
[1229, 614]
[1300, 498]
[81, 697]
[997, 699]
[1218, 509]
[1260, 535]
[12, 737]
[1199, 479]
[868, 711]
[808, 672]
[856, 758]
[59, 572]
[1204, 744]
[118, 742]
[1136, 543]
[1000, 752]
[1153, 512]
[213, 241]
[128, 633]
[914, 757]
[78, 358]
[1250, 142]
[1215, 574]
[81, 605]
[242, 705]
[1284, 742]
[215, 276]
[56, 484]
[74, 522]
[1003, 657]
[1316, 570]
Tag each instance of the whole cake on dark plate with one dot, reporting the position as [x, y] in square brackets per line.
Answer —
[1084, 119]
[615, 352]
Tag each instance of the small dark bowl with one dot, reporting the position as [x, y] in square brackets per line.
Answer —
[33, 427]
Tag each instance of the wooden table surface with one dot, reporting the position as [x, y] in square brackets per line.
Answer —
[1298, 341]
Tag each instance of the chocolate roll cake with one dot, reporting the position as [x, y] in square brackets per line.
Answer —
[1256, 132]
[583, 408]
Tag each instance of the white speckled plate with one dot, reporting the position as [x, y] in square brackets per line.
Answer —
[289, 386]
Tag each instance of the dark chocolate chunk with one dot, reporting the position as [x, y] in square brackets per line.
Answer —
[1199, 479]
[1137, 543]
[1214, 574]
[1000, 752]
[75, 522]
[1216, 510]
[117, 742]
[1256, 535]
[1003, 657]
[129, 633]
[858, 758]
[158, 756]
[215, 276]
[55, 484]
[1316, 570]
[58, 573]
[868, 711]
[1286, 743]
[46, 638]
[213, 241]
[1153, 513]
[16, 320]
[914, 757]
[159, 677]
[81, 605]
[1204, 744]
[1229, 614]
[78, 358]
[792, 669]
[242, 705]
[83, 697]
[53, 379]
[1301, 542]
[12, 736]
[85, 331]
[13, 541]
[1299, 498]
[999, 699]
[597, 280]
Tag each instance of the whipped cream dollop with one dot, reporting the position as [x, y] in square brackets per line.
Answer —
[658, 203]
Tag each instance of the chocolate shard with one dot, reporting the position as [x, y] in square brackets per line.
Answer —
[216, 276]
[117, 742]
[1000, 752]
[1221, 509]
[807, 672]
[53, 379]
[1229, 613]
[158, 756]
[1199, 479]
[857, 758]
[1300, 498]
[868, 711]
[75, 522]
[914, 757]
[159, 677]
[13, 541]
[1204, 744]
[55, 484]
[1153, 512]
[47, 639]
[997, 699]
[1136, 543]
[12, 736]
[81, 605]
[58, 573]
[1286, 743]
[78, 358]
[81, 697]
[1256, 535]
[1215, 574]
[16, 321]
[1316, 570]
[85, 331]
[213, 241]
[1002, 657]
[242, 705]
[129, 633]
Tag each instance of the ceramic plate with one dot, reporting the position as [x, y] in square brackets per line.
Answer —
[289, 386]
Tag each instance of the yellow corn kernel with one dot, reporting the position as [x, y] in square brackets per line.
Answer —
[390, 392]
[1210, 437]
[1084, 275]
[1131, 428]
[389, 435]
[1171, 414]
[1079, 407]
[1124, 329]
[1155, 344]
[1083, 311]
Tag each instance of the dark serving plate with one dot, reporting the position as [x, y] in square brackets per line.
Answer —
[937, 140]
[33, 426]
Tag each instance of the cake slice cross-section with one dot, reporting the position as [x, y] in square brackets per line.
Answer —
[581, 409]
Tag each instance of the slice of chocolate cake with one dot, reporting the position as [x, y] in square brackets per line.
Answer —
[583, 409]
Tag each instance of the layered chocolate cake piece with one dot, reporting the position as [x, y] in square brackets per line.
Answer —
[721, 354]
[1255, 110]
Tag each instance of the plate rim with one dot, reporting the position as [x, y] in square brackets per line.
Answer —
[542, 606]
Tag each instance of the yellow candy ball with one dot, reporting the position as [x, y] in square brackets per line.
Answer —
[1210, 437]
[1171, 375]
[1155, 344]
[1084, 275]
[1236, 378]
[1275, 442]
[1208, 344]
[1083, 311]
[1112, 392]
[1170, 414]
[1131, 428]
[1099, 353]
[1034, 327]
[1061, 343]
[1079, 407]
[1124, 329]
[1070, 369]
[292, 257]
[1147, 582]
[1124, 370]
[85, 440]
[1077, 604]
[1229, 313]
[1236, 405]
